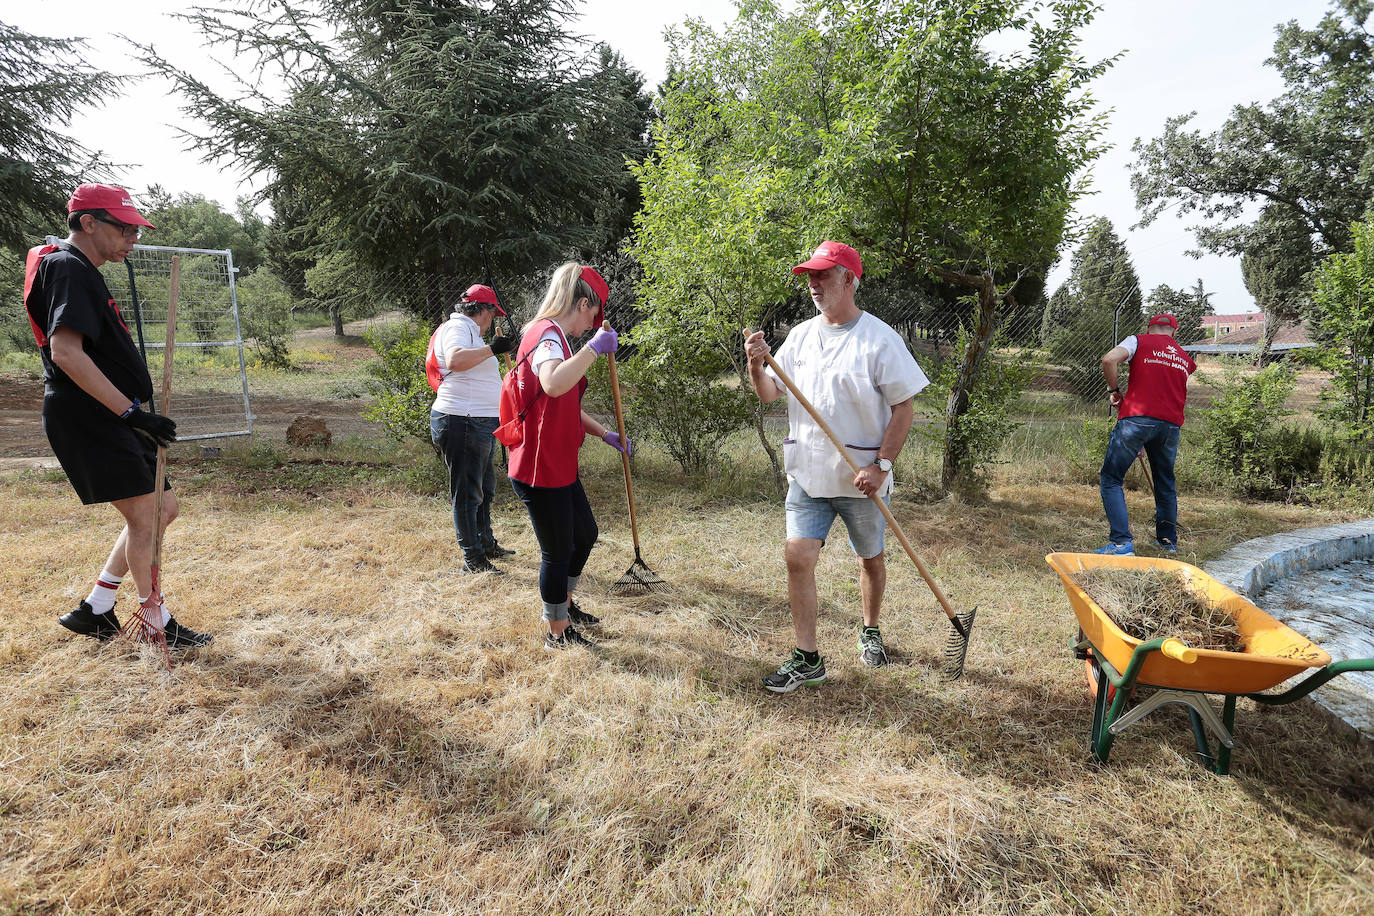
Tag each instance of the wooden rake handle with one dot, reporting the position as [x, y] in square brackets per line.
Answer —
[620, 428]
[160, 473]
[882, 506]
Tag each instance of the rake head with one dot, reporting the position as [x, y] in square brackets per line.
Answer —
[140, 630]
[639, 579]
[956, 647]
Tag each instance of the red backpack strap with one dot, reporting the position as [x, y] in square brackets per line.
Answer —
[434, 374]
[36, 255]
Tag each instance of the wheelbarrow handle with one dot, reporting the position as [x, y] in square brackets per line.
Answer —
[1179, 650]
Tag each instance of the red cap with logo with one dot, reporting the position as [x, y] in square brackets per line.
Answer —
[484, 294]
[113, 199]
[828, 254]
[1163, 318]
[602, 289]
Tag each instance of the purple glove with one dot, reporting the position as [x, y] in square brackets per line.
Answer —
[604, 341]
[613, 440]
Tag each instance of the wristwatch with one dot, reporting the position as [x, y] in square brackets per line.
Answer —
[883, 464]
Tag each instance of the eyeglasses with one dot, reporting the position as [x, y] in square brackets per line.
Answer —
[130, 232]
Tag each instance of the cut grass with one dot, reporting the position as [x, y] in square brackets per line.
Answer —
[371, 733]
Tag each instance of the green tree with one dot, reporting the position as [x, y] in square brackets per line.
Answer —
[1275, 271]
[1304, 158]
[43, 83]
[194, 221]
[1101, 304]
[411, 133]
[887, 124]
[1188, 306]
[1343, 320]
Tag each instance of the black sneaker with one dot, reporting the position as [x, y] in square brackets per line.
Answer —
[871, 647]
[480, 565]
[182, 637]
[794, 673]
[496, 551]
[84, 621]
[581, 617]
[569, 639]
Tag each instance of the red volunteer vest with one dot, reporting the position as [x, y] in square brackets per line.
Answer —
[434, 374]
[553, 426]
[1159, 379]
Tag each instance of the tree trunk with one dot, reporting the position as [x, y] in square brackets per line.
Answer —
[1271, 330]
[336, 315]
[956, 458]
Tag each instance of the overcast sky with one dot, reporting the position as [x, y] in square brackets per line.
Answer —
[1180, 56]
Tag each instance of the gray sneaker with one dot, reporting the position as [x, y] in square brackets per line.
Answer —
[871, 647]
[794, 673]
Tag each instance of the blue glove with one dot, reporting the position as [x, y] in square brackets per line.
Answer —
[613, 440]
[604, 341]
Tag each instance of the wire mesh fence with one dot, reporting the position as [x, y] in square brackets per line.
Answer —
[256, 349]
[210, 394]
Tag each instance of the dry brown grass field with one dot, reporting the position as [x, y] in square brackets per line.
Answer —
[371, 733]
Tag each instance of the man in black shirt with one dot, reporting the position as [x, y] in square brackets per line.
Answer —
[95, 382]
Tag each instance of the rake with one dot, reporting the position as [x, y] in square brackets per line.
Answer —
[956, 647]
[639, 579]
[141, 628]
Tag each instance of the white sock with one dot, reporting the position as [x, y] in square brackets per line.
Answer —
[102, 596]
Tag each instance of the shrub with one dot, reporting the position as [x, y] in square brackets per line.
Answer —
[398, 380]
[265, 317]
[1239, 422]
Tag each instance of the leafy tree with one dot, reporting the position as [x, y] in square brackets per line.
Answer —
[409, 133]
[1305, 158]
[887, 124]
[1188, 307]
[1343, 319]
[43, 83]
[1276, 271]
[1100, 304]
[193, 221]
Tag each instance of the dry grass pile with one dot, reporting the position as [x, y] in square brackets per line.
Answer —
[371, 733]
[1149, 603]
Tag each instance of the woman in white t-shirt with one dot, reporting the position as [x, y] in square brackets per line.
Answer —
[463, 418]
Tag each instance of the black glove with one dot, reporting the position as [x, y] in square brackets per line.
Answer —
[162, 430]
[501, 345]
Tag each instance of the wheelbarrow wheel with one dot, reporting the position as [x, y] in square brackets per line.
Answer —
[1093, 672]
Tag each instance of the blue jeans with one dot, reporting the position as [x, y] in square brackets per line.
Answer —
[1159, 439]
[467, 446]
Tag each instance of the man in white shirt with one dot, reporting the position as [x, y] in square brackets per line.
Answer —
[858, 373]
[463, 369]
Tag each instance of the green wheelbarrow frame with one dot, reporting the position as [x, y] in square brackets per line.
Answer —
[1109, 721]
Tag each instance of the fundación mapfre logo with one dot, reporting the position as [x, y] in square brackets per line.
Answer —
[126, 202]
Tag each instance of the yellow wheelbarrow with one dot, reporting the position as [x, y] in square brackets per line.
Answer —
[1178, 673]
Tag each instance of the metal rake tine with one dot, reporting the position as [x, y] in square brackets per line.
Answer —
[956, 646]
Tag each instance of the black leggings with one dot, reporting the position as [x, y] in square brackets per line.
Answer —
[566, 529]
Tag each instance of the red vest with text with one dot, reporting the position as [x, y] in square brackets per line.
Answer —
[553, 426]
[1159, 379]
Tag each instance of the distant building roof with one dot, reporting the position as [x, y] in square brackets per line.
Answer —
[1237, 318]
[1291, 336]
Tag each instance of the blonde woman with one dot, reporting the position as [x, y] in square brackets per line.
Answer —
[547, 408]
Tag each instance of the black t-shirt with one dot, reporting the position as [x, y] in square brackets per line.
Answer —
[69, 292]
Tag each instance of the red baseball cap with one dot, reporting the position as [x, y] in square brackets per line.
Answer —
[601, 288]
[113, 199]
[1163, 318]
[828, 254]
[484, 294]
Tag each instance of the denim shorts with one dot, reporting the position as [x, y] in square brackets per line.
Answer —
[808, 517]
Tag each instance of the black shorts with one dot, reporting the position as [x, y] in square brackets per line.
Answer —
[103, 458]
